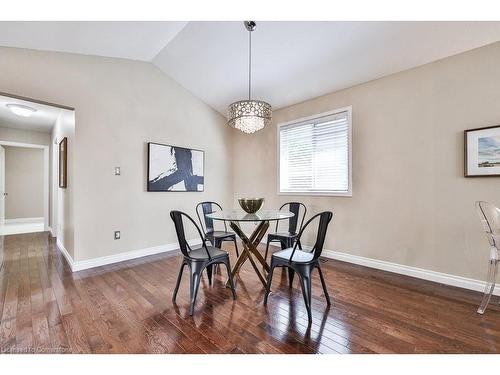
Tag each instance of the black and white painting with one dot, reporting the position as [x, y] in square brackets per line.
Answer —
[172, 168]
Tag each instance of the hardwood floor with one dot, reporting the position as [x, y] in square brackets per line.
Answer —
[127, 308]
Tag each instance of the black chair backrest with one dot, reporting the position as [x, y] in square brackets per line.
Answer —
[177, 217]
[207, 224]
[295, 208]
[324, 219]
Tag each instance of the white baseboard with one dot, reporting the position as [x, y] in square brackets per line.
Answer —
[65, 253]
[52, 234]
[129, 255]
[419, 273]
[24, 220]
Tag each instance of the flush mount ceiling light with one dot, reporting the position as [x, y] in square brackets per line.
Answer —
[249, 115]
[21, 110]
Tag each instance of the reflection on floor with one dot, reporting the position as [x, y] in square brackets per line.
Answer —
[127, 308]
[18, 226]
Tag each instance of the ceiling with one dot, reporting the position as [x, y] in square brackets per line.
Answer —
[42, 120]
[127, 40]
[292, 61]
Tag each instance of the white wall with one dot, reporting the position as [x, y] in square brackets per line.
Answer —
[62, 201]
[120, 106]
[23, 136]
[8, 134]
[24, 182]
[411, 204]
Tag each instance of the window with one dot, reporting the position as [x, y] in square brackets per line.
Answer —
[315, 155]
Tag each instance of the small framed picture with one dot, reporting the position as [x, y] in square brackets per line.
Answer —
[482, 152]
[63, 163]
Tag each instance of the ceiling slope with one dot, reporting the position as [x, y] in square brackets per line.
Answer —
[128, 40]
[297, 61]
[292, 61]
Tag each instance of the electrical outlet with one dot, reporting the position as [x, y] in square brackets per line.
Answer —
[117, 235]
[117, 171]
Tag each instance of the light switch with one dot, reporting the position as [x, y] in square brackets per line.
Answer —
[117, 171]
[117, 235]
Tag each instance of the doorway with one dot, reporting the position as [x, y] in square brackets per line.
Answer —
[24, 188]
[31, 199]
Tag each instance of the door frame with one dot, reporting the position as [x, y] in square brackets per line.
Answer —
[46, 182]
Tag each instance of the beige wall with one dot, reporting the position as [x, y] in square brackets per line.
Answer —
[120, 106]
[23, 136]
[411, 204]
[23, 182]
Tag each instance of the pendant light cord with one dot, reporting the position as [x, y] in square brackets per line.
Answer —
[249, 65]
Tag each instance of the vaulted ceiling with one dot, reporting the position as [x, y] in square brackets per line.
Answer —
[292, 61]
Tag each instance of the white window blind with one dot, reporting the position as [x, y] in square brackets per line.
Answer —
[314, 155]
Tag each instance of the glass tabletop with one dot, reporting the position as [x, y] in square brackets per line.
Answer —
[239, 215]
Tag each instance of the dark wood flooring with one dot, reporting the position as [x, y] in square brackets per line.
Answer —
[127, 308]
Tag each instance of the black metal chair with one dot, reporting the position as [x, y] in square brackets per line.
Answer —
[287, 239]
[303, 262]
[214, 237]
[197, 259]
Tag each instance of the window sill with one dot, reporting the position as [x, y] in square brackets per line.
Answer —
[347, 194]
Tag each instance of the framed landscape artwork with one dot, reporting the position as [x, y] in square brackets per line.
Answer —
[172, 168]
[63, 163]
[482, 152]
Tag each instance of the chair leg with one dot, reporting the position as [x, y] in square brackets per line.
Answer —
[490, 285]
[323, 284]
[291, 274]
[209, 273]
[194, 285]
[236, 247]
[267, 249]
[269, 282]
[305, 282]
[230, 276]
[217, 244]
[179, 277]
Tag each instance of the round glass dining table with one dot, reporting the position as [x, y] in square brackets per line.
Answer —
[263, 217]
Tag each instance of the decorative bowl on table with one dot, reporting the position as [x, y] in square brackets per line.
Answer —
[251, 205]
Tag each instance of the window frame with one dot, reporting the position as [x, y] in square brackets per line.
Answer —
[298, 122]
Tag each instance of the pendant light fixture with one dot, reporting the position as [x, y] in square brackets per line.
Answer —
[249, 115]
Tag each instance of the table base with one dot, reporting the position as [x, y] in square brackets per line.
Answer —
[250, 250]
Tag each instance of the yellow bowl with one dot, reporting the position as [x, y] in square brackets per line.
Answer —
[251, 205]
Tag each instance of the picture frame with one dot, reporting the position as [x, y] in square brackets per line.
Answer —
[482, 152]
[175, 169]
[63, 163]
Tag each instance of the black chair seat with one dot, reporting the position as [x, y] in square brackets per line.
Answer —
[299, 256]
[201, 253]
[220, 234]
[286, 235]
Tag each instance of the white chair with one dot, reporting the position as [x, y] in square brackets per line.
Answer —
[490, 218]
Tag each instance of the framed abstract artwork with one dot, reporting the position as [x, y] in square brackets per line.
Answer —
[482, 152]
[173, 168]
[63, 163]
